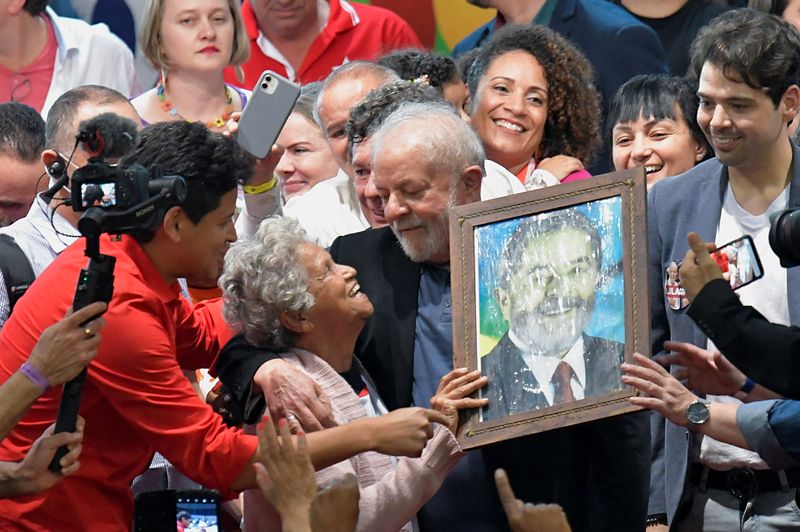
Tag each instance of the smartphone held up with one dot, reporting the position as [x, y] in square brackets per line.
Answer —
[739, 262]
[265, 113]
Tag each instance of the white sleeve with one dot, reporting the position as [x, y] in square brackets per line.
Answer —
[256, 208]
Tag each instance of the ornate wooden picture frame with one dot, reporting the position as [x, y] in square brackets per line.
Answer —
[550, 286]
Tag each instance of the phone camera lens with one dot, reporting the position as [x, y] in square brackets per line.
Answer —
[264, 85]
[268, 79]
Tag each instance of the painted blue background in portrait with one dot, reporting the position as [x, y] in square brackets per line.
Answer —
[608, 319]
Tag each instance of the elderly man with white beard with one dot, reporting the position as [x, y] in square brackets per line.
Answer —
[425, 159]
[549, 272]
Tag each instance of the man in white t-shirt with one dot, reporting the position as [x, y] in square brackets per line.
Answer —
[747, 70]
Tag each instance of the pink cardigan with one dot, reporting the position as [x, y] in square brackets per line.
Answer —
[391, 495]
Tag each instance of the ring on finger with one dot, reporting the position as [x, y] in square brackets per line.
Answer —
[88, 332]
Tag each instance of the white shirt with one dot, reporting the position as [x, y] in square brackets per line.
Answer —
[544, 367]
[499, 182]
[767, 295]
[329, 210]
[88, 55]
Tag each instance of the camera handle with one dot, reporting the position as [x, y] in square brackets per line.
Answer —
[95, 283]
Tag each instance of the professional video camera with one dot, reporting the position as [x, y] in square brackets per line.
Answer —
[116, 200]
[784, 236]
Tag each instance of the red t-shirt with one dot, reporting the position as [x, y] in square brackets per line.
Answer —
[136, 399]
[353, 31]
[31, 84]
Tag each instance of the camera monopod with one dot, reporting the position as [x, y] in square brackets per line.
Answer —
[95, 283]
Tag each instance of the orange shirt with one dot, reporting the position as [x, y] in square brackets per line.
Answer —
[136, 399]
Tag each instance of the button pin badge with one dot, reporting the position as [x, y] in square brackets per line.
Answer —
[675, 294]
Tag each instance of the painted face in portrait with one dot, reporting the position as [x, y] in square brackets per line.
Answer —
[549, 298]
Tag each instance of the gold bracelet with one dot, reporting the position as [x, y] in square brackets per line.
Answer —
[260, 189]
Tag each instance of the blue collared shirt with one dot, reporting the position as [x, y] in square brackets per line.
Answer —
[433, 338]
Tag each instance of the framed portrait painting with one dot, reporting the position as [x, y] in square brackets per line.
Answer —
[549, 298]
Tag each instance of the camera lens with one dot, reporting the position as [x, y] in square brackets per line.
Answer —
[264, 85]
[784, 236]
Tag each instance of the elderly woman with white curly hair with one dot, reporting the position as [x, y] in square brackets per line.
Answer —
[286, 294]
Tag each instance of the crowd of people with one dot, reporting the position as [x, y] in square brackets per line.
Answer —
[315, 282]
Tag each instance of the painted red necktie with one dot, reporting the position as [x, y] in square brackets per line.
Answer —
[562, 384]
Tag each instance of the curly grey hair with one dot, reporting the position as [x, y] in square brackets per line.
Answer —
[262, 279]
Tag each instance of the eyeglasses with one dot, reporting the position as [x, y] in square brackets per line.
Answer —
[20, 87]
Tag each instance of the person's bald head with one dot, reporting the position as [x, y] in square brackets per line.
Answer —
[343, 89]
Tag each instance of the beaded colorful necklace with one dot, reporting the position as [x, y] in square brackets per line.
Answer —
[169, 107]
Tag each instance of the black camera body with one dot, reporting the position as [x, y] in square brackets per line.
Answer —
[115, 198]
[99, 184]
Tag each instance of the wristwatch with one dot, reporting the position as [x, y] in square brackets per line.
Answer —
[697, 413]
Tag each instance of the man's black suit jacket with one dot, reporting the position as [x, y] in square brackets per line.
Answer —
[513, 387]
[766, 352]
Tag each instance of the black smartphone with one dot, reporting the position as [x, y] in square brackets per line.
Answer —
[739, 262]
[266, 112]
[171, 510]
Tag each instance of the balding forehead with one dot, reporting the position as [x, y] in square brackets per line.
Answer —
[357, 86]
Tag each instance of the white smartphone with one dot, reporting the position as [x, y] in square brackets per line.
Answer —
[266, 112]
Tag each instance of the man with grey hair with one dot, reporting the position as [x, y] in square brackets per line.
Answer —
[331, 208]
[369, 115]
[425, 160]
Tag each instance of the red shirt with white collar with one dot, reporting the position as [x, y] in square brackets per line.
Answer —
[353, 31]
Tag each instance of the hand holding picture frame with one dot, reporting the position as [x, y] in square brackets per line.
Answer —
[549, 298]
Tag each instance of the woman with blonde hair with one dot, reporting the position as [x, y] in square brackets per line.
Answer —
[191, 42]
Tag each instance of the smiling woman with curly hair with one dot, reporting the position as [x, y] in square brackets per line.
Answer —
[534, 105]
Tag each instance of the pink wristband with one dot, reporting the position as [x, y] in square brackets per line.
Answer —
[35, 377]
